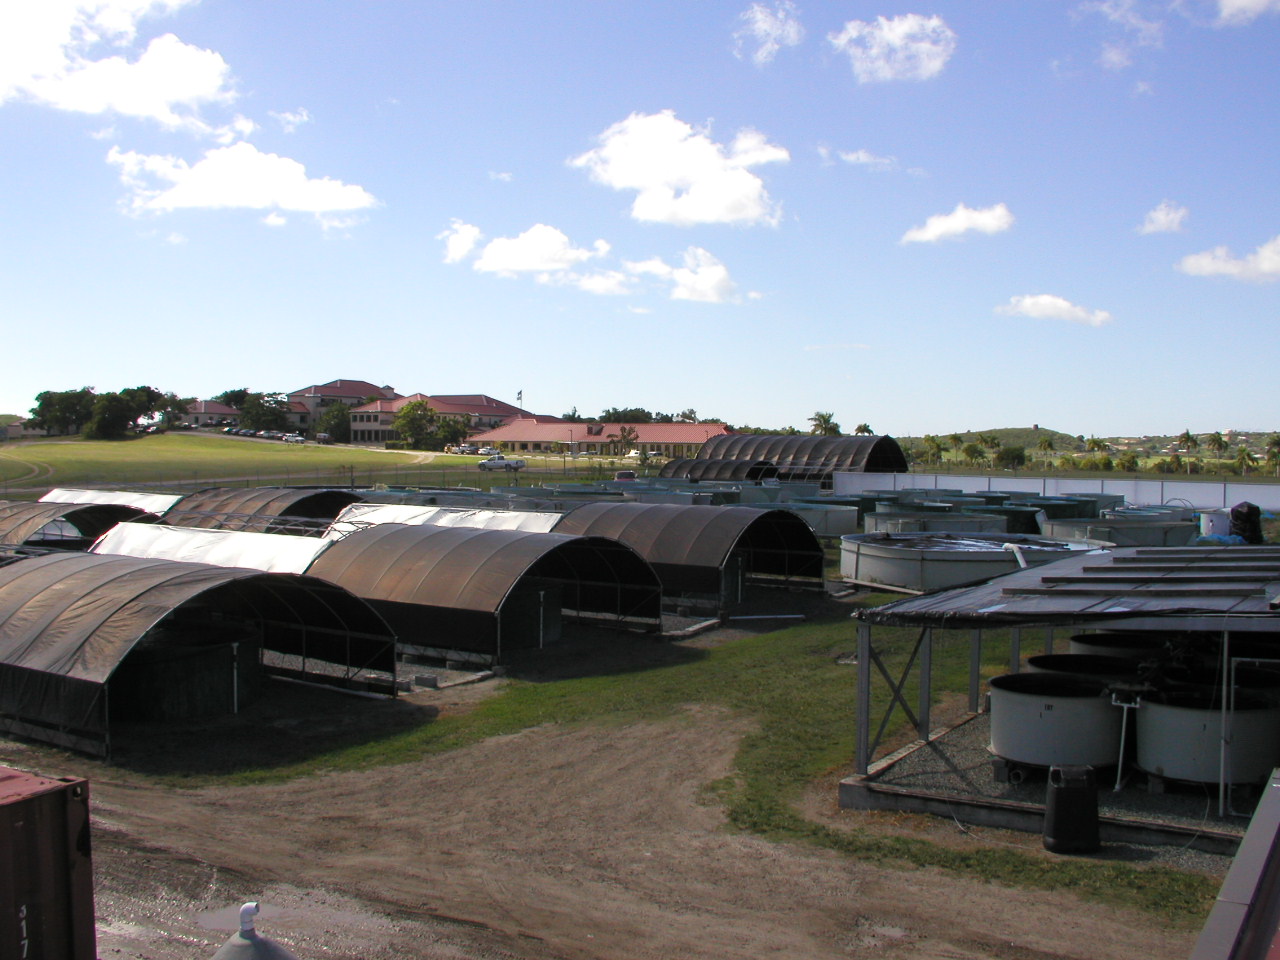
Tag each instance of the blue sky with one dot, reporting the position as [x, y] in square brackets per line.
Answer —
[928, 218]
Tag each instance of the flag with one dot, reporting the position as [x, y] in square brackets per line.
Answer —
[519, 397]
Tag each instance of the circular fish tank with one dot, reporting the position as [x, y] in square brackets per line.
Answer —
[1046, 720]
[1179, 736]
[922, 561]
[1105, 669]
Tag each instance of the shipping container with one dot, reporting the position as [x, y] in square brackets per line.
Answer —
[46, 871]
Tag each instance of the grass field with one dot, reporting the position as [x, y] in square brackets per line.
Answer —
[182, 462]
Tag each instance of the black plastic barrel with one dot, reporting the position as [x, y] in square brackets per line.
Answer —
[1071, 810]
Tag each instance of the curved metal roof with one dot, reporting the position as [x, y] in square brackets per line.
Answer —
[698, 469]
[465, 568]
[688, 546]
[77, 615]
[800, 457]
[19, 522]
[156, 503]
[255, 508]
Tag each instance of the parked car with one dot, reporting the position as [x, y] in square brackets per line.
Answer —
[499, 462]
[625, 475]
[488, 451]
[323, 438]
[294, 438]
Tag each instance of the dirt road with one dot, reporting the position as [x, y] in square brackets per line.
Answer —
[558, 842]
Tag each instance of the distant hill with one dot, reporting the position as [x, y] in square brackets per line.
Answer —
[1027, 437]
[8, 418]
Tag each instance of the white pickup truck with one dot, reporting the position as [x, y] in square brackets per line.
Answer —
[499, 462]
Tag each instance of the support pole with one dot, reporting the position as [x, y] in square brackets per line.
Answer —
[862, 761]
[925, 692]
[975, 668]
[1015, 650]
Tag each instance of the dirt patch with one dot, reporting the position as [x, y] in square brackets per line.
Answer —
[594, 841]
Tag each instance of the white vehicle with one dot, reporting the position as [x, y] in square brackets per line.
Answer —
[488, 451]
[499, 462]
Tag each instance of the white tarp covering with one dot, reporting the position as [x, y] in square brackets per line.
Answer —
[269, 552]
[156, 503]
[360, 515]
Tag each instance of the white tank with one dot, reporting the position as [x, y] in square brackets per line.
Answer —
[1048, 720]
[1180, 738]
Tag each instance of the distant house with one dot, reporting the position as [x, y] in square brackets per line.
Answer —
[547, 435]
[22, 430]
[312, 400]
[202, 413]
[373, 422]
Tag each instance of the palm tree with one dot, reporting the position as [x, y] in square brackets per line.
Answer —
[1245, 458]
[627, 436]
[933, 447]
[863, 430]
[1273, 451]
[1045, 446]
[1189, 440]
[1096, 445]
[973, 453]
[824, 425]
[1217, 443]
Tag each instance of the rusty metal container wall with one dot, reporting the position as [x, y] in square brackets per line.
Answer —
[46, 872]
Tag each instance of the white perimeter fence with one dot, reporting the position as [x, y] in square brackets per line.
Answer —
[1201, 494]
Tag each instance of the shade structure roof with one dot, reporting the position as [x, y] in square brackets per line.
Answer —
[269, 553]
[156, 503]
[67, 621]
[699, 469]
[465, 568]
[20, 522]
[689, 546]
[257, 508]
[807, 457]
[359, 515]
[1215, 585]
[483, 591]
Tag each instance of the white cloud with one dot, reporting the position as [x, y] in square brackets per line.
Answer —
[540, 249]
[168, 83]
[703, 278]
[910, 47]
[1238, 12]
[1165, 218]
[1137, 31]
[239, 176]
[459, 240]
[291, 120]
[1261, 266]
[960, 220]
[175, 239]
[503, 177]
[605, 283]
[865, 158]
[275, 219]
[771, 29]
[1045, 306]
[680, 175]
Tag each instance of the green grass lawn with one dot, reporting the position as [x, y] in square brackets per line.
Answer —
[184, 461]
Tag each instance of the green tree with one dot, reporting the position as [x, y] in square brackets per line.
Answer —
[452, 429]
[956, 441]
[932, 448]
[626, 415]
[974, 453]
[1245, 458]
[824, 425]
[335, 420]
[233, 398]
[1128, 462]
[1273, 451]
[265, 411]
[626, 439]
[1096, 445]
[1011, 458]
[416, 423]
[113, 416]
[863, 430]
[62, 411]
[1217, 443]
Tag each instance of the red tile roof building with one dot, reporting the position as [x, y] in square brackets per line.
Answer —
[536, 435]
[372, 422]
